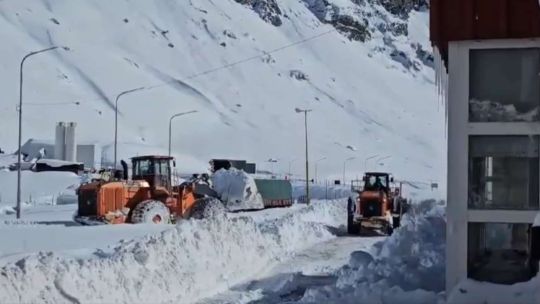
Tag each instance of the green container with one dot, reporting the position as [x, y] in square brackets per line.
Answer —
[275, 192]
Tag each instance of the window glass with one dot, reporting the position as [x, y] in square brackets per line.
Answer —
[503, 172]
[504, 85]
[498, 252]
[164, 167]
[144, 167]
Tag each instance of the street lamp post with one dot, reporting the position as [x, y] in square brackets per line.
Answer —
[272, 161]
[116, 120]
[367, 159]
[344, 163]
[316, 163]
[19, 165]
[306, 111]
[170, 126]
[290, 163]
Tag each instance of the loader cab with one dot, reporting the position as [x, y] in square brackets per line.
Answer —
[376, 181]
[156, 170]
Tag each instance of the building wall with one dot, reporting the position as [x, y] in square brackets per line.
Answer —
[460, 20]
[459, 130]
[70, 142]
[59, 141]
[89, 155]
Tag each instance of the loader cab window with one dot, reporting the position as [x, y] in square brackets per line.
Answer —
[163, 167]
[143, 167]
[376, 182]
[157, 172]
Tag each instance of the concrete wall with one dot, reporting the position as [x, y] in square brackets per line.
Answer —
[70, 142]
[59, 141]
[89, 155]
[459, 130]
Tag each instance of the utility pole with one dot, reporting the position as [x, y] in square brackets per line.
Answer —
[170, 126]
[116, 120]
[272, 161]
[344, 164]
[305, 111]
[19, 164]
[366, 161]
[290, 163]
[316, 163]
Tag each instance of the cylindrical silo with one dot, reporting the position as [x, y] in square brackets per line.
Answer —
[59, 141]
[71, 143]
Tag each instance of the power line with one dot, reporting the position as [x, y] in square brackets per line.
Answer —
[212, 70]
[265, 53]
[52, 103]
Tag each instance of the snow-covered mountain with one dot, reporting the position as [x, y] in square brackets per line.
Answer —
[363, 66]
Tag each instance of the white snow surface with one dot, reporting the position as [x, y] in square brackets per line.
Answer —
[360, 96]
[326, 191]
[195, 259]
[472, 292]
[237, 190]
[38, 188]
[55, 162]
[408, 267]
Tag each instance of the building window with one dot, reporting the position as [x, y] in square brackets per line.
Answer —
[503, 172]
[504, 85]
[499, 253]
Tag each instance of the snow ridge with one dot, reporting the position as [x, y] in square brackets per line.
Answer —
[170, 267]
[408, 267]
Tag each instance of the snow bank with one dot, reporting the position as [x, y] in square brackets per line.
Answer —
[7, 160]
[56, 163]
[408, 267]
[237, 190]
[37, 188]
[322, 192]
[191, 261]
[472, 292]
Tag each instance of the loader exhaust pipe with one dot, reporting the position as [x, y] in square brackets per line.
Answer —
[124, 169]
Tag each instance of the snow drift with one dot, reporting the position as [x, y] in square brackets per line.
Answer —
[406, 268]
[237, 190]
[42, 188]
[471, 292]
[321, 191]
[193, 260]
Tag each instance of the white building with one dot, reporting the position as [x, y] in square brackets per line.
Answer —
[492, 88]
[64, 147]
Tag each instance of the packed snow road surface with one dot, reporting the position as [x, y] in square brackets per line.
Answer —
[290, 279]
[292, 255]
[184, 263]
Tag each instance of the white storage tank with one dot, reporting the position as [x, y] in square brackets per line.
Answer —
[60, 141]
[70, 142]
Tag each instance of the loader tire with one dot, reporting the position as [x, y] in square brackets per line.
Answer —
[151, 211]
[352, 228]
[207, 207]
